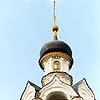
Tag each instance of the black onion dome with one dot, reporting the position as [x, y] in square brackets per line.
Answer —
[55, 46]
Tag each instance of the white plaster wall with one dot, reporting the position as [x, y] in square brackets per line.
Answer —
[48, 65]
[29, 93]
[57, 86]
[85, 91]
[64, 65]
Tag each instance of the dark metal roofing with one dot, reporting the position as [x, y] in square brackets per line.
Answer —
[55, 46]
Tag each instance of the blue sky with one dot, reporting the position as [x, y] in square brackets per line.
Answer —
[25, 25]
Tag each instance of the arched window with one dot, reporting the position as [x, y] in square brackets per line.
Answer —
[56, 96]
[56, 65]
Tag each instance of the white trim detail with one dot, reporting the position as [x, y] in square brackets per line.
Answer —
[57, 86]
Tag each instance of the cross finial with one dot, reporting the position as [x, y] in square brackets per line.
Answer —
[54, 12]
[55, 27]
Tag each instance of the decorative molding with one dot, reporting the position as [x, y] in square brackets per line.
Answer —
[56, 85]
[55, 55]
[63, 77]
[83, 89]
[30, 92]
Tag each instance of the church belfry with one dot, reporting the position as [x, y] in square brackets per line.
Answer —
[56, 60]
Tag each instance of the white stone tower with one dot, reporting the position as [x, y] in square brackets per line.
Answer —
[56, 61]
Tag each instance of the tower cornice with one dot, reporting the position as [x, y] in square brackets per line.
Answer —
[54, 54]
[63, 77]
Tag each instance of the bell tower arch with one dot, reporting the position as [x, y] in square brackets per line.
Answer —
[56, 96]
